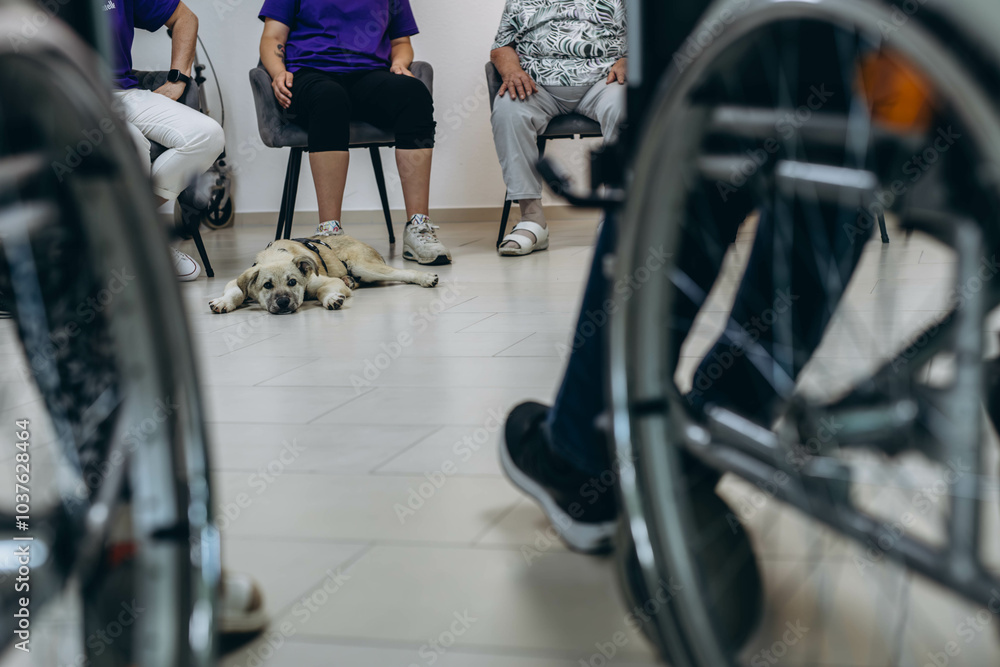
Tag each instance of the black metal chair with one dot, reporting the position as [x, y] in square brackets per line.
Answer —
[277, 131]
[568, 126]
[192, 224]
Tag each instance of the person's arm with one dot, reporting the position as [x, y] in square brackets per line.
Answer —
[515, 79]
[183, 25]
[504, 57]
[402, 56]
[272, 55]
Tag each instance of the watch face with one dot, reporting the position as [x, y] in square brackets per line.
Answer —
[172, 75]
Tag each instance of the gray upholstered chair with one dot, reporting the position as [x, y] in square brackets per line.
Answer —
[568, 126]
[277, 131]
[152, 81]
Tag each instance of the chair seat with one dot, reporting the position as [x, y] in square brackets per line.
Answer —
[365, 134]
[286, 134]
[362, 134]
[570, 125]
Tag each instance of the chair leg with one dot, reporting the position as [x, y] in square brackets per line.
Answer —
[382, 193]
[284, 197]
[196, 237]
[881, 227]
[293, 189]
[503, 220]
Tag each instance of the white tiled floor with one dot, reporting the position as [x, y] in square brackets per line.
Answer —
[372, 428]
[341, 442]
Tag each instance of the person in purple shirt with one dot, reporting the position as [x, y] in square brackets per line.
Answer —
[334, 61]
[193, 140]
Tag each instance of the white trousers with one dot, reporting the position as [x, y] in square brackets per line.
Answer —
[193, 140]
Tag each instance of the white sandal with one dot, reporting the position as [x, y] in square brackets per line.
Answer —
[524, 245]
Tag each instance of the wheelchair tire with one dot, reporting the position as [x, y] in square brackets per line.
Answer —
[84, 261]
[673, 195]
[219, 215]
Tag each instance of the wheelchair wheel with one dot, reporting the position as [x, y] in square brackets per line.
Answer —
[105, 373]
[785, 128]
[220, 213]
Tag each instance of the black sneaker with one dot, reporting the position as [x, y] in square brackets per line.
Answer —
[582, 510]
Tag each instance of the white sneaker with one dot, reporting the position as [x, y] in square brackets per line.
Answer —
[187, 269]
[330, 228]
[420, 244]
[241, 605]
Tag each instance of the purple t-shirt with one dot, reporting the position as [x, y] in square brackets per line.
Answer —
[125, 16]
[341, 35]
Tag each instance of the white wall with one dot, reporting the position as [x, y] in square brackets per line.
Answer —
[455, 38]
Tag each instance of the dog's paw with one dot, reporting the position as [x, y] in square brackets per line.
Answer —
[429, 280]
[351, 283]
[219, 306]
[333, 301]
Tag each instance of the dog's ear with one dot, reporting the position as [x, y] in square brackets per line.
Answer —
[307, 265]
[247, 279]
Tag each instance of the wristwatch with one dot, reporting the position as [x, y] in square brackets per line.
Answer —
[174, 75]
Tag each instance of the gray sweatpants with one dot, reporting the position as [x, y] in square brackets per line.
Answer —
[517, 124]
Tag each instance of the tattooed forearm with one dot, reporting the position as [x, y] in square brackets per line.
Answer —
[281, 52]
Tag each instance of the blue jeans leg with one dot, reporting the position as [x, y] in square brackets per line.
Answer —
[573, 433]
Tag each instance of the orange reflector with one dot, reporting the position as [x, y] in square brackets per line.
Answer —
[897, 94]
[121, 552]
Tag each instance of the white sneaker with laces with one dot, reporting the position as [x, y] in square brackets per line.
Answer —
[329, 228]
[187, 269]
[421, 245]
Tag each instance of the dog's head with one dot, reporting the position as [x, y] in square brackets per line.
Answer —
[280, 286]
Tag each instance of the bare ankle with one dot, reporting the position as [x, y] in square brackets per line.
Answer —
[531, 209]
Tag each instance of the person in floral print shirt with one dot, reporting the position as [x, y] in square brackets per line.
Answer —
[555, 57]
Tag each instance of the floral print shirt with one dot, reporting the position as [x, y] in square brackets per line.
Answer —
[565, 42]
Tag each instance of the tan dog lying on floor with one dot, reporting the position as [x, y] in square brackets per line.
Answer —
[325, 268]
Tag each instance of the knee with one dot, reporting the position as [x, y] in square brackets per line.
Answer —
[415, 126]
[327, 96]
[215, 139]
[418, 103]
[416, 92]
[202, 137]
[512, 115]
[206, 139]
[327, 101]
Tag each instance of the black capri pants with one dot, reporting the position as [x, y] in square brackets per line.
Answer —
[325, 103]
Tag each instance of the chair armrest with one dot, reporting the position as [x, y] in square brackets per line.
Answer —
[493, 82]
[425, 73]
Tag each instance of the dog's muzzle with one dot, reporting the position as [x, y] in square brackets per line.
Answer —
[282, 305]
